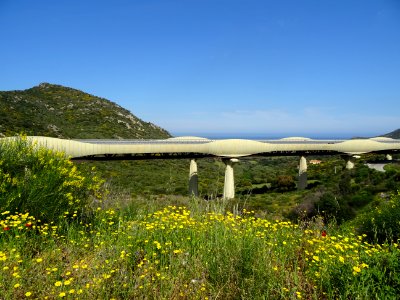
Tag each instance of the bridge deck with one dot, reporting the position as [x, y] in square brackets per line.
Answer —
[200, 147]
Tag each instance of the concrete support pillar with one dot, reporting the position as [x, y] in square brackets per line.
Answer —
[302, 184]
[389, 157]
[349, 162]
[193, 179]
[229, 184]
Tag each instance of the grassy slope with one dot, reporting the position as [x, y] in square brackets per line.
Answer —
[151, 250]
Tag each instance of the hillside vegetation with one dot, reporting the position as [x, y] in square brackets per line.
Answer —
[394, 134]
[58, 111]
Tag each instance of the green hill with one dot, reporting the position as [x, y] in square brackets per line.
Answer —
[58, 111]
[394, 134]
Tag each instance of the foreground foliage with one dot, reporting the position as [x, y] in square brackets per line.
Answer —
[176, 253]
[43, 183]
[383, 222]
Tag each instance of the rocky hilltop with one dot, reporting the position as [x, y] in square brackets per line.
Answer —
[58, 111]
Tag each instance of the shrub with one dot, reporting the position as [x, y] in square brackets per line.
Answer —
[44, 183]
[360, 199]
[328, 205]
[285, 183]
[382, 223]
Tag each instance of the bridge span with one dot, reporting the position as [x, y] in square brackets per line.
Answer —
[230, 150]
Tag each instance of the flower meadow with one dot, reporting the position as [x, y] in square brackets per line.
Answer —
[176, 254]
[98, 248]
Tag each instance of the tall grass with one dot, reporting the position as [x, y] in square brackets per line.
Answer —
[174, 253]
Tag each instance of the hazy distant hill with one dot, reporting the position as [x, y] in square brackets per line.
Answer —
[58, 111]
[394, 134]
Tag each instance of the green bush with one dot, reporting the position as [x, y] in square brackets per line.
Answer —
[44, 183]
[327, 205]
[360, 199]
[382, 223]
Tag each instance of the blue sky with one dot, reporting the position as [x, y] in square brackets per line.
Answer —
[322, 68]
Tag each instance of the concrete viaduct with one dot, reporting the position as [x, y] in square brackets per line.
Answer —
[230, 150]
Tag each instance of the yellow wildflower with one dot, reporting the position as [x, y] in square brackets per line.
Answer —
[58, 283]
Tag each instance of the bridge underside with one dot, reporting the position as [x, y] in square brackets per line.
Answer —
[190, 155]
[142, 156]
